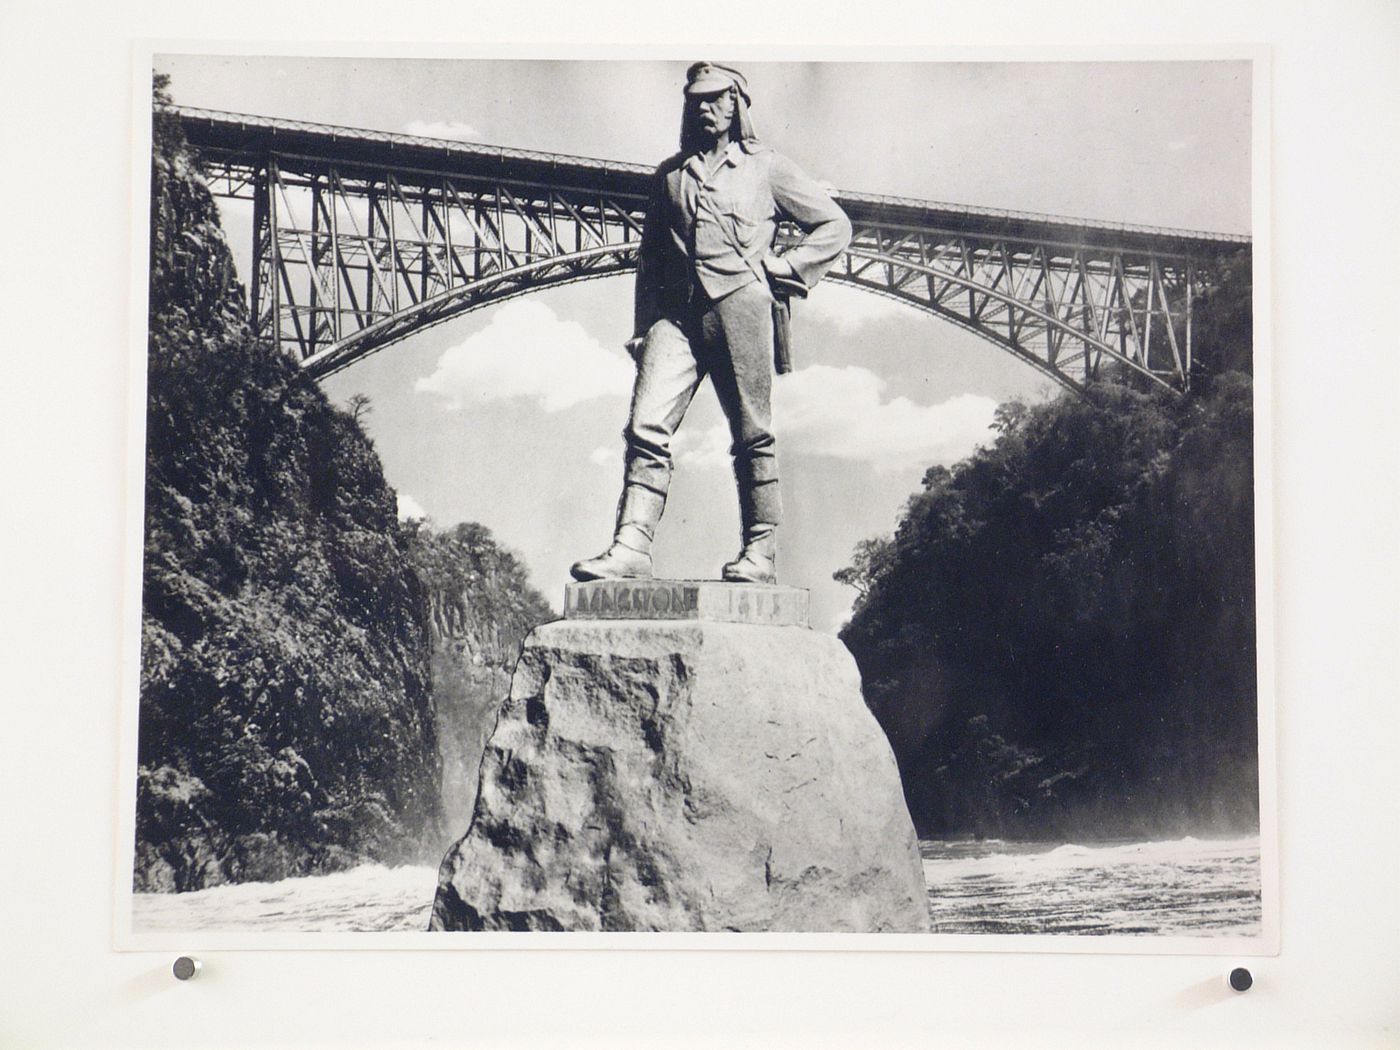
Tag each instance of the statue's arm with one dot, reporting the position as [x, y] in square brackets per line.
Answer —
[826, 229]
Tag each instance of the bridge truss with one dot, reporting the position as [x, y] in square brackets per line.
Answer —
[361, 238]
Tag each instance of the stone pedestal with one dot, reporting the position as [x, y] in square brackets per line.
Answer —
[685, 774]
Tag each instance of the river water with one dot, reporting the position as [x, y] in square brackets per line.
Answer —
[1187, 887]
[1184, 888]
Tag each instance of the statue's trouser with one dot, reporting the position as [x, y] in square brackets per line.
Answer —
[731, 341]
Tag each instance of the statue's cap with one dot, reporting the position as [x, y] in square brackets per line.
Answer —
[706, 78]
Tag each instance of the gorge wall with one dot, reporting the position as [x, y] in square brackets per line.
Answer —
[480, 607]
[317, 678]
[1059, 638]
[286, 722]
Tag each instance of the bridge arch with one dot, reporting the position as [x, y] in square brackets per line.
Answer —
[552, 273]
[454, 302]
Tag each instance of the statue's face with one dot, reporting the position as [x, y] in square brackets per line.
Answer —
[716, 112]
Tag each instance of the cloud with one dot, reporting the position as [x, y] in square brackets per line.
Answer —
[845, 413]
[708, 448]
[850, 308]
[443, 129]
[527, 352]
[410, 508]
[605, 455]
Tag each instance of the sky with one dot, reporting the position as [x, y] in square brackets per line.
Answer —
[511, 415]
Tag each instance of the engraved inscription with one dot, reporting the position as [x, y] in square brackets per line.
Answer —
[680, 600]
[641, 600]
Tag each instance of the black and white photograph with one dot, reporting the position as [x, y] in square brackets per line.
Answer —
[700, 495]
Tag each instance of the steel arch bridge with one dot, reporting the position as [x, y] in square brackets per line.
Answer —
[361, 238]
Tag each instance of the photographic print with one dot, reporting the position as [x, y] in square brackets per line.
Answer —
[701, 495]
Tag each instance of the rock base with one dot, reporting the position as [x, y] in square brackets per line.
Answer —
[685, 776]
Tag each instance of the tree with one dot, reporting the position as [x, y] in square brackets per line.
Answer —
[868, 562]
[359, 406]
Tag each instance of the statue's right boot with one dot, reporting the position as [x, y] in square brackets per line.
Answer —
[757, 562]
[629, 555]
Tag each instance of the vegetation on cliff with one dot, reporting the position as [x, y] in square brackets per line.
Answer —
[1059, 639]
[286, 720]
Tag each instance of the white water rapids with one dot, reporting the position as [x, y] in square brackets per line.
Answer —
[1189, 887]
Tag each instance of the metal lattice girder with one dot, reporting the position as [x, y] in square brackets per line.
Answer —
[1062, 308]
[350, 260]
[361, 238]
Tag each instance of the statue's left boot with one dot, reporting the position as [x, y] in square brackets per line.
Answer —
[760, 510]
[757, 562]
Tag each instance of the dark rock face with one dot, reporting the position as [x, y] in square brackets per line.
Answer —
[685, 776]
[481, 606]
[1059, 639]
[286, 722]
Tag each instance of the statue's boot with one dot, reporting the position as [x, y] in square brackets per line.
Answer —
[760, 509]
[629, 555]
[757, 562]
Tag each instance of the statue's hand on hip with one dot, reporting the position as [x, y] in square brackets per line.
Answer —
[777, 266]
[783, 281]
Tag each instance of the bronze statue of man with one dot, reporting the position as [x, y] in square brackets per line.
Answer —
[707, 284]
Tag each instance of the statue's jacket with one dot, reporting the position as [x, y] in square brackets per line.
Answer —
[750, 192]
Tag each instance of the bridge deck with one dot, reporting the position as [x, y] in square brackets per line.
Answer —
[227, 134]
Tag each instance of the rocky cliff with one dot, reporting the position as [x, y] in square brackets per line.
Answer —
[286, 720]
[685, 777]
[481, 606]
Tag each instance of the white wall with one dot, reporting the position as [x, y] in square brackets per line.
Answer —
[64, 273]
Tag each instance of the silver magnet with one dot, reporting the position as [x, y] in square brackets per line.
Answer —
[186, 968]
